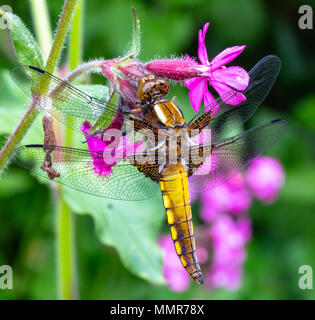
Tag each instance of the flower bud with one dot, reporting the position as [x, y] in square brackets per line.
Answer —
[174, 69]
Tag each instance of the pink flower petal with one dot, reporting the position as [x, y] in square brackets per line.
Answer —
[208, 214]
[235, 77]
[265, 177]
[102, 165]
[95, 144]
[202, 50]
[245, 228]
[213, 107]
[225, 276]
[233, 97]
[208, 98]
[240, 201]
[196, 91]
[226, 56]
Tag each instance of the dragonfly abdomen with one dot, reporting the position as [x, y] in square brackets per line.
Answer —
[175, 193]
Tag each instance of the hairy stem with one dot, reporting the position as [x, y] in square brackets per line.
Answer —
[94, 65]
[58, 42]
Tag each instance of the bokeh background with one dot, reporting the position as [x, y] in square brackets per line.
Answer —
[283, 233]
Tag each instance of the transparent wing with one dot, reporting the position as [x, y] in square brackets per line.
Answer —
[225, 158]
[230, 117]
[70, 105]
[75, 169]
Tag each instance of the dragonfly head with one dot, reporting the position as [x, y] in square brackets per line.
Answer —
[151, 86]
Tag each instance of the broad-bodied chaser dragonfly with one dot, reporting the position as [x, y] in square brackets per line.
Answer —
[136, 178]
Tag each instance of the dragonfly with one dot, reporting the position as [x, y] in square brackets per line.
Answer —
[140, 176]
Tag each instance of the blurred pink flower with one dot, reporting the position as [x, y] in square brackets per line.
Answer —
[213, 202]
[228, 238]
[215, 74]
[103, 150]
[265, 177]
[230, 197]
[240, 197]
[176, 276]
[224, 276]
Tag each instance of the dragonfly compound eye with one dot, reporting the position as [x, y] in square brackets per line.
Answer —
[152, 85]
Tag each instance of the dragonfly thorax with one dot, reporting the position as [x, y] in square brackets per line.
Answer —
[167, 113]
[152, 91]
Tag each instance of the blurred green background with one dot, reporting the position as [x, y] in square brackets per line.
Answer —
[283, 233]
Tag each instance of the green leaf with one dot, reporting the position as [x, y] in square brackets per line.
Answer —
[95, 90]
[26, 47]
[131, 227]
[13, 104]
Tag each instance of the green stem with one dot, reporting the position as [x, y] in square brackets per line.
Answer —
[76, 36]
[52, 60]
[65, 244]
[42, 25]
[65, 253]
[60, 35]
[58, 42]
[75, 53]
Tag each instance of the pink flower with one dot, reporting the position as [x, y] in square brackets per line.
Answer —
[225, 276]
[231, 197]
[176, 276]
[265, 178]
[214, 202]
[240, 200]
[215, 74]
[106, 155]
[124, 73]
[228, 238]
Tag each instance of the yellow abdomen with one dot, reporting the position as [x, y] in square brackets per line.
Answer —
[175, 193]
